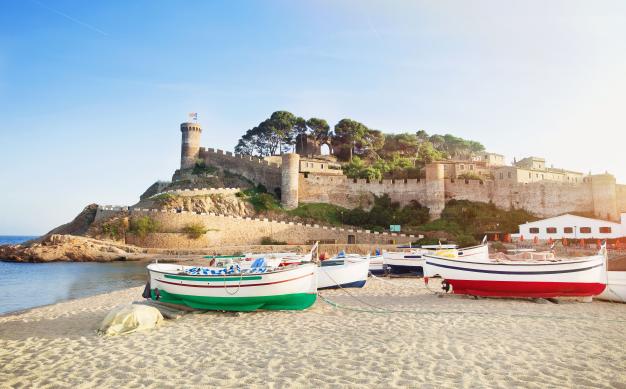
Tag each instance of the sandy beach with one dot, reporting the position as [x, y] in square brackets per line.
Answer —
[441, 342]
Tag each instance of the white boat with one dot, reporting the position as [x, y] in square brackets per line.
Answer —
[343, 272]
[520, 276]
[292, 287]
[615, 288]
[413, 260]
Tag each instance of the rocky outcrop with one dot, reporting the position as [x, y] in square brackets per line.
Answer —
[55, 247]
[217, 203]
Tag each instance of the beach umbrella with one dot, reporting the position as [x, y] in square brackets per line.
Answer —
[521, 238]
[598, 244]
[550, 241]
[581, 242]
[564, 241]
[536, 240]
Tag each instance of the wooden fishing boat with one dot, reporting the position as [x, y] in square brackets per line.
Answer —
[342, 272]
[520, 276]
[616, 287]
[234, 289]
[412, 262]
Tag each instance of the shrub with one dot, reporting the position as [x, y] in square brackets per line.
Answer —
[201, 168]
[114, 229]
[195, 230]
[326, 213]
[266, 240]
[261, 201]
[470, 176]
[164, 197]
[385, 212]
[143, 225]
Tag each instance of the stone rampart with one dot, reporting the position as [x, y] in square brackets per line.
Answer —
[199, 192]
[107, 211]
[256, 170]
[230, 230]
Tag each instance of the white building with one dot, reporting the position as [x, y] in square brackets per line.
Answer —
[573, 227]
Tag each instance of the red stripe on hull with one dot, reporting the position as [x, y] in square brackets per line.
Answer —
[223, 285]
[525, 289]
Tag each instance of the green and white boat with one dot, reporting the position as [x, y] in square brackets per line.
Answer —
[286, 288]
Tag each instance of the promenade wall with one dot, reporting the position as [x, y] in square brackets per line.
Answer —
[231, 230]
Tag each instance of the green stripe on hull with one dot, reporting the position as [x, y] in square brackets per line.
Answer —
[295, 301]
[220, 279]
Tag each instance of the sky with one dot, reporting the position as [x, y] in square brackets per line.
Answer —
[92, 93]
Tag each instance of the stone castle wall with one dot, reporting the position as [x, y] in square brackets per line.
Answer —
[542, 199]
[230, 230]
[256, 170]
[351, 193]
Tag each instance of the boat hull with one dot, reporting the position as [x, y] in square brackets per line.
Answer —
[287, 289]
[348, 275]
[525, 289]
[585, 277]
[616, 288]
[294, 301]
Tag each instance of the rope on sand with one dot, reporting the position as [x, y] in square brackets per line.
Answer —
[427, 287]
[431, 312]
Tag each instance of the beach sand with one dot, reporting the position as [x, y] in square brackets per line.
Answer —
[444, 342]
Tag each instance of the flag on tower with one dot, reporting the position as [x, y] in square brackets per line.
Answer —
[193, 115]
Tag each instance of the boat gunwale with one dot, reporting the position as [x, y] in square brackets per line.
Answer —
[236, 276]
[538, 263]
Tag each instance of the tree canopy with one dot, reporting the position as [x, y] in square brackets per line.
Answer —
[399, 155]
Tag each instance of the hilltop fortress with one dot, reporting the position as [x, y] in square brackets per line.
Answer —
[527, 184]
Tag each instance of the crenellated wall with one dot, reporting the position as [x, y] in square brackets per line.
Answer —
[256, 170]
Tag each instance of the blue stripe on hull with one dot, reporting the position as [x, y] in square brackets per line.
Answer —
[399, 269]
[355, 284]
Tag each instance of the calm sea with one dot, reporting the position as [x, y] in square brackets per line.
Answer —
[27, 285]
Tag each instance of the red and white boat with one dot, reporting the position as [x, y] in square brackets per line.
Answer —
[536, 275]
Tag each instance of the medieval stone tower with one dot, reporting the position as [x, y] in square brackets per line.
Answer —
[290, 172]
[190, 148]
[435, 189]
[604, 196]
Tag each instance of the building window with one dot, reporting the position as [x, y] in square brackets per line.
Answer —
[471, 167]
[502, 175]
[568, 230]
[322, 166]
[585, 230]
[461, 167]
[534, 230]
[605, 230]
[551, 230]
[530, 175]
[510, 175]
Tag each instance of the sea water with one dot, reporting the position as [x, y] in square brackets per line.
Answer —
[27, 285]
